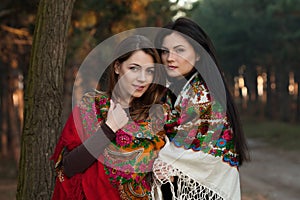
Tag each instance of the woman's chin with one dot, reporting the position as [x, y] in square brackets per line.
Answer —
[174, 74]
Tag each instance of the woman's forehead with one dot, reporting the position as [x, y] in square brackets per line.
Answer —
[174, 39]
[141, 58]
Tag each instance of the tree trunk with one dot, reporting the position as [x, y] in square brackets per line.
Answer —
[272, 97]
[283, 95]
[13, 117]
[43, 100]
[297, 78]
[4, 116]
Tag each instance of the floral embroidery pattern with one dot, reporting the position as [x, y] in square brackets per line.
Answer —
[93, 109]
[132, 154]
[122, 138]
[201, 124]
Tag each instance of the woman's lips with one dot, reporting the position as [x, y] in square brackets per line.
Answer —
[139, 87]
[171, 67]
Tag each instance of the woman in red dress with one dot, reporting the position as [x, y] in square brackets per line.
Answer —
[108, 145]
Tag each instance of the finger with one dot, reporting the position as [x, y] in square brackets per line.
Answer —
[120, 111]
[118, 107]
[112, 105]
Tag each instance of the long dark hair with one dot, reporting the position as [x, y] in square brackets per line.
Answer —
[139, 107]
[195, 35]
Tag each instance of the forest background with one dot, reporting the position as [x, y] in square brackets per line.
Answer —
[258, 44]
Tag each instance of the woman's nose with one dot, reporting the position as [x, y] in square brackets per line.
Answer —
[171, 56]
[142, 76]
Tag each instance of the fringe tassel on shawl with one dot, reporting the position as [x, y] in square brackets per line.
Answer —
[188, 188]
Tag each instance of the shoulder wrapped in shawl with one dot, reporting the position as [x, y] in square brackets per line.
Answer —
[82, 123]
[200, 149]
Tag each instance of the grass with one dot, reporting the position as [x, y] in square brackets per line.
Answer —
[276, 133]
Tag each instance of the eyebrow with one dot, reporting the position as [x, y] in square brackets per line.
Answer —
[180, 45]
[137, 65]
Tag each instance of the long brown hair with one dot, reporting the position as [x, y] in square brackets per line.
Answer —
[139, 107]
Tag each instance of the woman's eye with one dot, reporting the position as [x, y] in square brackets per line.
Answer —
[179, 50]
[164, 51]
[150, 71]
[133, 68]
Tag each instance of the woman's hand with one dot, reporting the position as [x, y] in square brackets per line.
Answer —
[116, 116]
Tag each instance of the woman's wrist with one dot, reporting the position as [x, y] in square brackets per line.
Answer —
[110, 133]
[112, 126]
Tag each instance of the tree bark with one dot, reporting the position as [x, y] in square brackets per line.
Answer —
[43, 99]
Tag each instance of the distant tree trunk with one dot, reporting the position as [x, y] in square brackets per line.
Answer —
[298, 108]
[4, 116]
[43, 100]
[250, 80]
[272, 97]
[13, 117]
[297, 77]
[283, 95]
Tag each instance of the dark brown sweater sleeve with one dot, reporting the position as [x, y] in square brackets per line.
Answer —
[83, 156]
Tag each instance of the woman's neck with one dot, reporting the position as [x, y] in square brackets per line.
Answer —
[177, 84]
[124, 102]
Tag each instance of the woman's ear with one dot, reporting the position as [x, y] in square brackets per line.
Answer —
[117, 67]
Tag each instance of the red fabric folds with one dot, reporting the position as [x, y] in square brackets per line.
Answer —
[93, 184]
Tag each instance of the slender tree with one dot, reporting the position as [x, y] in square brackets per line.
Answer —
[43, 99]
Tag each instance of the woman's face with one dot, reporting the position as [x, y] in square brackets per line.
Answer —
[178, 55]
[135, 75]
